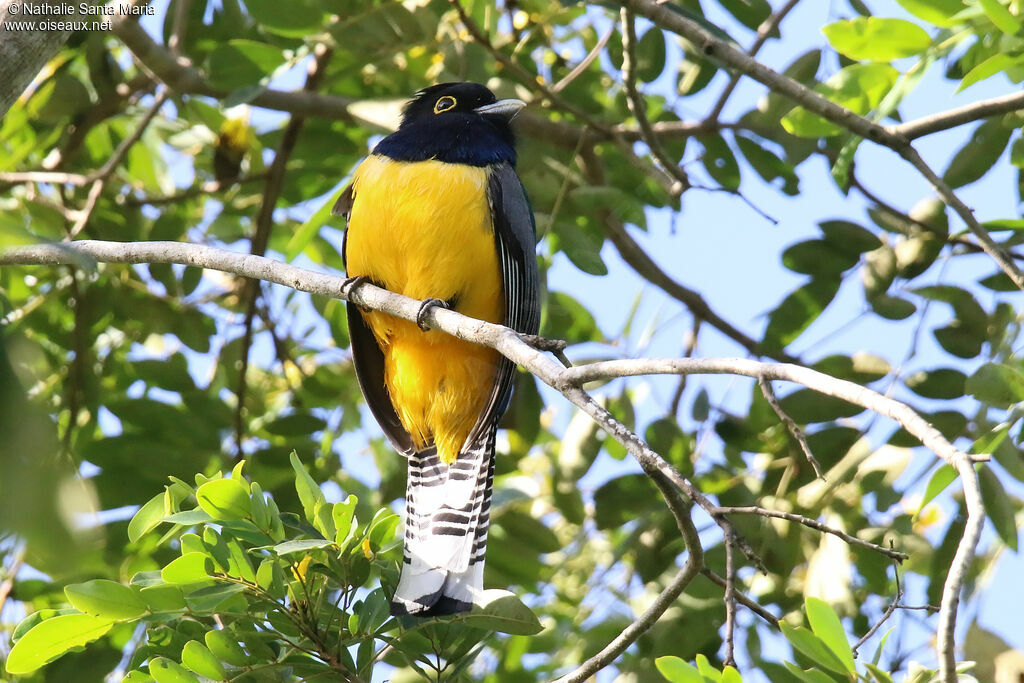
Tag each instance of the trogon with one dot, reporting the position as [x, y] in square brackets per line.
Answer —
[437, 213]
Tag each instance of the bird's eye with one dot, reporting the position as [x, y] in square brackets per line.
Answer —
[444, 104]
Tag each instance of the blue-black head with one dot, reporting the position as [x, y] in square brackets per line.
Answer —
[459, 123]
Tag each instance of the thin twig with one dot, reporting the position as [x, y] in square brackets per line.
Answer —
[743, 599]
[55, 177]
[177, 38]
[793, 427]
[764, 31]
[12, 573]
[689, 347]
[99, 178]
[934, 123]
[730, 604]
[640, 261]
[638, 109]
[209, 187]
[897, 603]
[587, 61]
[692, 567]
[813, 524]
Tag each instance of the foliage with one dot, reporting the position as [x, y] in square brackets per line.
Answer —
[114, 378]
[256, 593]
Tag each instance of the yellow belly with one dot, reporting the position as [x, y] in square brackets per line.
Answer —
[423, 229]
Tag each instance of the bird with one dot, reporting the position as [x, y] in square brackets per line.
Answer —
[437, 212]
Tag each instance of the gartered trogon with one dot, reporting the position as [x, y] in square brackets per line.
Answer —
[437, 212]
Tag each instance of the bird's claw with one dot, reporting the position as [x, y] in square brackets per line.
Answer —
[350, 283]
[425, 307]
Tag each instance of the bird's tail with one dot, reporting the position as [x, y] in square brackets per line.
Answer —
[447, 511]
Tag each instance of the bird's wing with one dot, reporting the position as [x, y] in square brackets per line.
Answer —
[516, 238]
[368, 359]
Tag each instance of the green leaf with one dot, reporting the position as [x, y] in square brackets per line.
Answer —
[106, 599]
[189, 568]
[302, 546]
[164, 670]
[997, 384]
[940, 479]
[812, 646]
[990, 67]
[224, 499]
[892, 308]
[188, 517]
[566, 318]
[147, 518]
[1000, 16]
[998, 507]
[720, 162]
[238, 63]
[213, 598]
[650, 55]
[826, 625]
[50, 639]
[309, 493]
[198, 657]
[530, 532]
[224, 646]
[163, 597]
[858, 87]
[978, 155]
[768, 165]
[295, 19]
[938, 12]
[818, 258]
[849, 237]
[797, 311]
[675, 670]
[877, 39]
[344, 518]
[296, 424]
[581, 246]
[502, 612]
[301, 237]
[373, 612]
[750, 13]
[941, 383]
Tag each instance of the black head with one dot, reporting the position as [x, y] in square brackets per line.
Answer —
[457, 123]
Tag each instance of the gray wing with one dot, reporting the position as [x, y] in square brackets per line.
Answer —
[515, 236]
[368, 359]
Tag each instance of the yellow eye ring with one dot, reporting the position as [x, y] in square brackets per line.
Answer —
[444, 104]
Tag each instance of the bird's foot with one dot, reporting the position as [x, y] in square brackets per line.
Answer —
[350, 283]
[425, 307]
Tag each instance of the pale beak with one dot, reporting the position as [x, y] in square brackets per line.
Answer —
[507, 108]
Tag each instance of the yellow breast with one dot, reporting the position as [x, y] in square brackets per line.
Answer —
[424, 229]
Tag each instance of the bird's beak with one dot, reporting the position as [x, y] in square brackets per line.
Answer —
[507, 108]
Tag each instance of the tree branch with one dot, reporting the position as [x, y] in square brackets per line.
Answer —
[565, 380]
[693, 566]
[793, 427]
[813, 524]
[934, 123]
[636, 105]
[764, 31]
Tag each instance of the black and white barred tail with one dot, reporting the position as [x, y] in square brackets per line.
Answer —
[447, 511]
